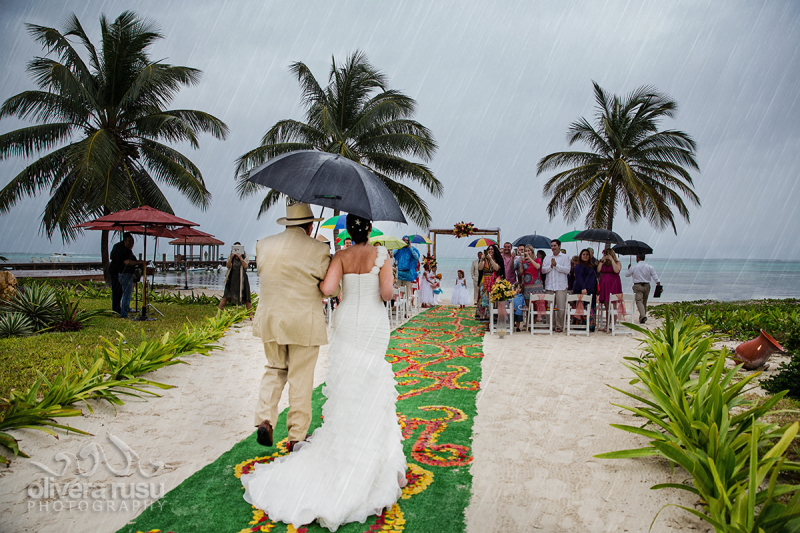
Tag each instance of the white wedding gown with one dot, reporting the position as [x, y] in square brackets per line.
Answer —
[351, 467]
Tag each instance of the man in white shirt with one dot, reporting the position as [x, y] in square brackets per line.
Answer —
[643, 274]
[476, 275]
[556, 266]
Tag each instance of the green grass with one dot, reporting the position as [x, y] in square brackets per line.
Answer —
[21, 357]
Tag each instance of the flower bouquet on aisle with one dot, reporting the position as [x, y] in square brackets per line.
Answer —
[463, 229]
[502, 290]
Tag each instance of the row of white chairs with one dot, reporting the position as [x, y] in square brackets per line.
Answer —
[398, 309]
[541, 320]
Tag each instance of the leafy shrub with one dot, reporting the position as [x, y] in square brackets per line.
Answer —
[787, 378]
[15, 325]
[69, 317]
[37, 302]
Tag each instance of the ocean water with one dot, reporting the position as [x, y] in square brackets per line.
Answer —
[683, 279]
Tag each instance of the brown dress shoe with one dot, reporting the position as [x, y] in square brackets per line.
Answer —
[292, 443]
[264, 434]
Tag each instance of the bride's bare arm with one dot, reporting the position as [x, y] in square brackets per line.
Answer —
[387, 280]
[330, 285]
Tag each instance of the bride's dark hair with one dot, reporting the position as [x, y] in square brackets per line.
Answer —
[358, 228]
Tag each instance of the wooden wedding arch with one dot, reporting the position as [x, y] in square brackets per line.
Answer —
[449, 231]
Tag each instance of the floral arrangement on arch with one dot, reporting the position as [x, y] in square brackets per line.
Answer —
[429, 261]
[463, 229]
[502, 290]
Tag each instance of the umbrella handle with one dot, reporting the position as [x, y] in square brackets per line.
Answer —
[320, 221]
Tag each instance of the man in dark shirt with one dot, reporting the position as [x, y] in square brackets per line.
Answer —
[119, 252]
[125, 263]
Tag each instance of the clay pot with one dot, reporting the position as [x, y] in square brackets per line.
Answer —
[755, 353]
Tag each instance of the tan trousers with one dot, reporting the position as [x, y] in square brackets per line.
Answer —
[560, 308]
[295, 364]
[641, 292]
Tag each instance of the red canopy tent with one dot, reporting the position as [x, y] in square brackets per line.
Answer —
[147, 218]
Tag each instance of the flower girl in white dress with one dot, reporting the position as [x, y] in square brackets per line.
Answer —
[353, 465]
[460, 292]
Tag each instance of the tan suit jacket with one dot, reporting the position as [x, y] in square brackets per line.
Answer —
[290, 266]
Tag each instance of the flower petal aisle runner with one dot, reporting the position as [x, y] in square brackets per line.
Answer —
[436, 358]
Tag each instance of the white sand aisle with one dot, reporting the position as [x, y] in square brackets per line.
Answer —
[543, 411]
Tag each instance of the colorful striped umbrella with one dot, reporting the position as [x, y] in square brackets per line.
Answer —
[337, 222]
[419, 239]
[345, 235]
[481, 243]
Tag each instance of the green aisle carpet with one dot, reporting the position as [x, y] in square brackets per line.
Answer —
[436, 358]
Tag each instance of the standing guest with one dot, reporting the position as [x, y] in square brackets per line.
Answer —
[610, 282]
[510, 263]
[571, 275]
[519, 307]
[530, 266]
[540, 255]
[476, 275]
[436, 285]
[290, 321]
[237, 286]
[643, 273]
[586, 280]
[406, 260]
[426, 281]
[492, 269]
[556, 266]
[593, 260]
[460, 292]
[118, 254]
[348, 242]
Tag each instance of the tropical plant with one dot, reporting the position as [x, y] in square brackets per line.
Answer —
[357, 116]
[698, 416]
[632, 166]
[68, 315]
[36, 302]
[15, 325]
[102, 124]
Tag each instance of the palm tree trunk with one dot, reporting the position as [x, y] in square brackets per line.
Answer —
[104, 256]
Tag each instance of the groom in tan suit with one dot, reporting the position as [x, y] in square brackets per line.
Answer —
[290, 320]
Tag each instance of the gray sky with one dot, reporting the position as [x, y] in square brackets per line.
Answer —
[498, 83]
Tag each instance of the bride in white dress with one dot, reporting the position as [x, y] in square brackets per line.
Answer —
[353, 466]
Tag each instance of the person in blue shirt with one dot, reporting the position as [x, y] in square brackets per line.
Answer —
[407, 261]
[519, 307]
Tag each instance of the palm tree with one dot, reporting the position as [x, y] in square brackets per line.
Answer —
[102, 124]
[358, 117]
[632, 165]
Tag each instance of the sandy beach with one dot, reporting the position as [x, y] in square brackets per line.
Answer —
[543, 412]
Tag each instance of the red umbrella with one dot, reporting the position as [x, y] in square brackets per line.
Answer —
[153, 231]
[146, 217]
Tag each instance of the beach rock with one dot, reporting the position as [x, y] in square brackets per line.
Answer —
[8, 285]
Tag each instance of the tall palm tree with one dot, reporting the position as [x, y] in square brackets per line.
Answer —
[632, 165]
[102, 124]
[357, 116]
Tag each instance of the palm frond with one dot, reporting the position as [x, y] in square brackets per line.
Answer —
[25, 142]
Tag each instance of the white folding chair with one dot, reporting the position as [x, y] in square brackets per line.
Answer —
[541, 321]
[616, 315]
[494, 317]
[401, 303]
[572, 310]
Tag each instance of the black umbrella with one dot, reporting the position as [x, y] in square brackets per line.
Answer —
[633, 248]
[329, 180]
[599, 235]
[536, 241]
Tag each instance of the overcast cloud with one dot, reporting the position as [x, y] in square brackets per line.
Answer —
[498, 83]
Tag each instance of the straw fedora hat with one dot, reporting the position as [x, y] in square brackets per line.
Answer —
[296, 214]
